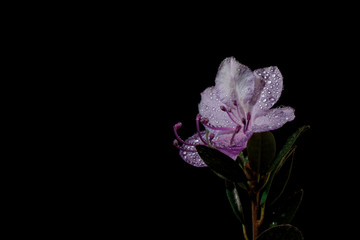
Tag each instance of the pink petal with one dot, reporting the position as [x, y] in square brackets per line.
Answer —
[272, 82]
[209, 108]
[234, 81]
[273, 119]
[190, 156]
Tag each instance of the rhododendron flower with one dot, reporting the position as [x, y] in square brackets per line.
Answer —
[236, 107]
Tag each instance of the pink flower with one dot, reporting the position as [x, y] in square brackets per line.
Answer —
[236, 107]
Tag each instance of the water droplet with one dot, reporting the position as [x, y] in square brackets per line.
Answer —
[273, 75]
[272, 99]
[264, 100]
[269, 82]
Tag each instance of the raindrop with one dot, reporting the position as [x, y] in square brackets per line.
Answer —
[264, 100]
[269, 81]
[272, 99]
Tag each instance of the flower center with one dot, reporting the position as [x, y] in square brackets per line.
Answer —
[237, 116]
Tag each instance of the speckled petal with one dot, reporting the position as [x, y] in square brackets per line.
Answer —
[234, 82]
[190, 156]
[273, 119]
[209, 108]
[272, 82]
[232, 150]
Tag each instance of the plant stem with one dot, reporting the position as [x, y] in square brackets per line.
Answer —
[254, 209]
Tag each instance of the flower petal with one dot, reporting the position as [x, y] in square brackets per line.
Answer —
[273, 119]
[272, 82]
[232, 150]
[190, 156]
[209, 108]
[234, 81]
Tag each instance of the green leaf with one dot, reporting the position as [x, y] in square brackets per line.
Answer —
[287, 147]
[280, 181]
[224, 166]
[234, 199]
[266, 190]
[285, 211]
[281, 232]
[261, 149]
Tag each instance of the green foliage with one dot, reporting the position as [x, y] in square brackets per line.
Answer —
[234, 198]
[285, 210]
[224, 166]
[256, 170]
[287, 150]
[261, 149]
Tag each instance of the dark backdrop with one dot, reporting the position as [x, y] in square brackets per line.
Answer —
[140, 83]
[189, 201]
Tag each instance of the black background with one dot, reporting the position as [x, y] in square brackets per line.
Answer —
[146, 184]
[167, 197]
[121, 84]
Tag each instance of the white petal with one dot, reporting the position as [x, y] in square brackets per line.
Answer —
[234, 81]
[272, 85]
[273, 119]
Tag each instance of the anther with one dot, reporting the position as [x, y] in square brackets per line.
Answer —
[243, 121]
[211, 136]
[204, 121]
[246, 126]
[237, 130]
[177, 127]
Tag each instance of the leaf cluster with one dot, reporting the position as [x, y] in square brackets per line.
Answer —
[255, 171]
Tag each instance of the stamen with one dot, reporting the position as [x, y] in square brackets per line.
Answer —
[198, 117]
[177, 127]
[237, 130]
[248, 117]
[176, 144]
[211, 136]
[205, 122]
[228, 111]
[243, 121]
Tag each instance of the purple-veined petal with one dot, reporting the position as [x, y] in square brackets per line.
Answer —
[224, 145]
[273, 119]
[272, 85]
[210, 108]
[234, 82]
[189, 154]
